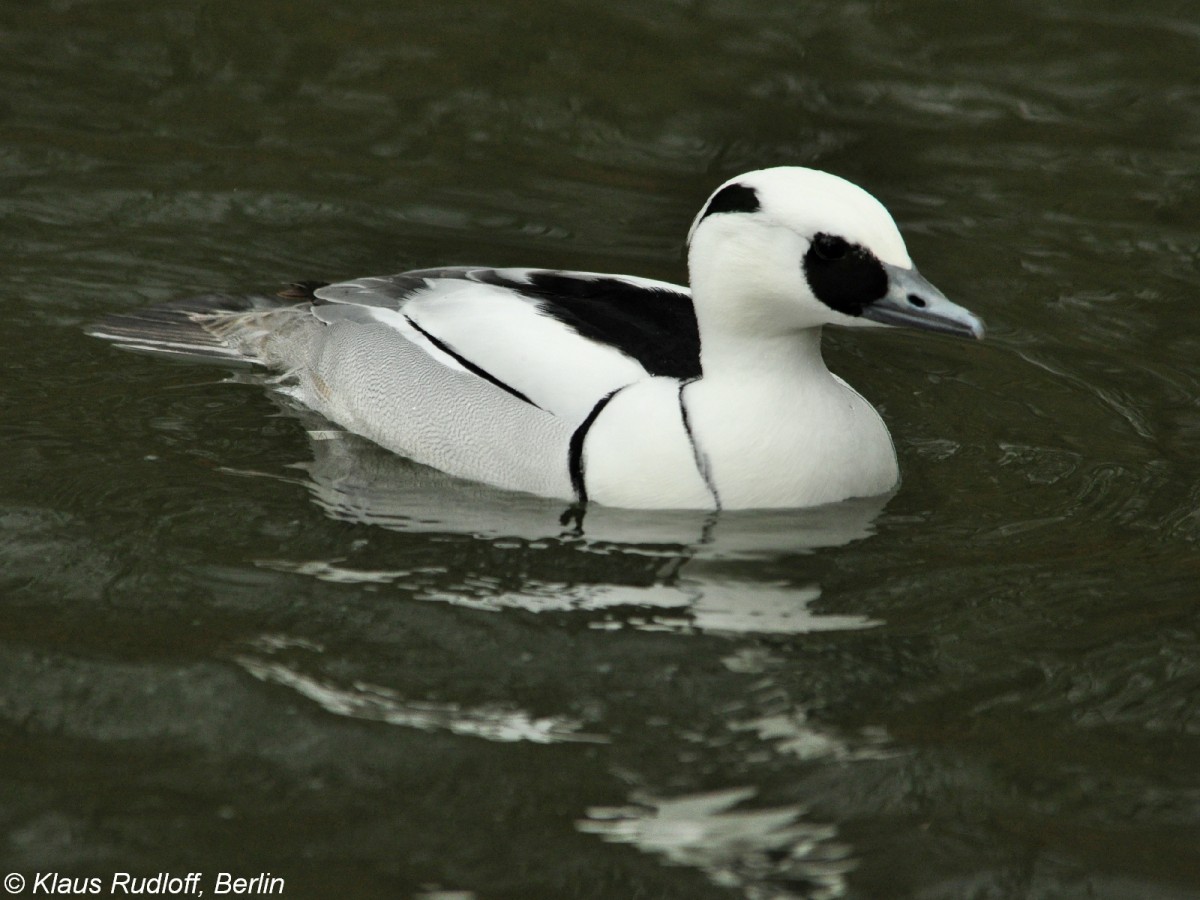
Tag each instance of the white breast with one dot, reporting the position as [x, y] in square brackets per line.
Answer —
[789, 444]
[639, 453]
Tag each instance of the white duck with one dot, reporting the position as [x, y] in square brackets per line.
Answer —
[607, 388]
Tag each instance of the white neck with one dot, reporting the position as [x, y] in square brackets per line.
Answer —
[794, 356]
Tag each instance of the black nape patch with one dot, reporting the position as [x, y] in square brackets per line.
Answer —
[733, 198]
[845, 277]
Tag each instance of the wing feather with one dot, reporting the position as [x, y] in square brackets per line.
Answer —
[559, 340]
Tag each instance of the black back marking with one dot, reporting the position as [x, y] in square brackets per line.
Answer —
[575, 447]
[845, 277]
[733, 198]
[655, 326]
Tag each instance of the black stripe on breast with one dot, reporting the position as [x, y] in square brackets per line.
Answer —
[702, 464]
[468, 365]
[575, 448]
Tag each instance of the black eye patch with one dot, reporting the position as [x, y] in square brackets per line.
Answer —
[845, 277]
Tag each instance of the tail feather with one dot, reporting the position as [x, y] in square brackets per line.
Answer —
[182, 329]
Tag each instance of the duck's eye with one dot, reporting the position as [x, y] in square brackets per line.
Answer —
[844, 276]
[830, 247]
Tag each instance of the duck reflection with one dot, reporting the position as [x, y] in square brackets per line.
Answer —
[696, 577]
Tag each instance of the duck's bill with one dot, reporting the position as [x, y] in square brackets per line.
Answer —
[912, 302]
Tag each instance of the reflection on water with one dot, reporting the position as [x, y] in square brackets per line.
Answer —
[788, 731]
[762, 852]
[716, 607]
[692, 590]
[381, 704]
[683, 604]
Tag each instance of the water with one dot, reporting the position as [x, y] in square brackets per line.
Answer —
[228, 648]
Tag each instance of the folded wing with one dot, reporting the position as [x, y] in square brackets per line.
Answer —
[560, 341]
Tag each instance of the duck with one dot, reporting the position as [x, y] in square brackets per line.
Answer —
[600, 388]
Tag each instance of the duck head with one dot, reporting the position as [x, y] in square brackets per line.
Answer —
[789, 248]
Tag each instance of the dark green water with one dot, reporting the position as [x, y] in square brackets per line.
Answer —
[227, 648]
